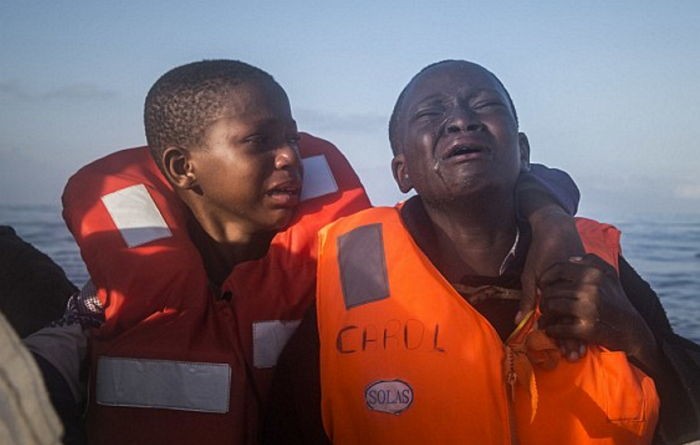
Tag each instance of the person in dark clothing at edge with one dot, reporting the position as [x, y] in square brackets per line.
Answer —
[583, 300]
[33, 289]
[34, 292]
[543, 193]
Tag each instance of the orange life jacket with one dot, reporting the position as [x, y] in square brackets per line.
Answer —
[405, 359]
[175, 360]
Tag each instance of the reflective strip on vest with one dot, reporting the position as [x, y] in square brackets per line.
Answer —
[318, 178]
[363, 273]
[147, 383]
[136, 216]
[269, 338]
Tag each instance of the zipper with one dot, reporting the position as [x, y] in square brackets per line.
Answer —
[511, 380]
[512, 377]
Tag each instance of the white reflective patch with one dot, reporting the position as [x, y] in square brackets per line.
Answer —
[318, 178]
[389, 396]
[147, 383]
[269, 338]
[136, 216]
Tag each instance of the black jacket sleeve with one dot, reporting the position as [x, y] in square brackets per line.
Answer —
[678, 385]
[552, 182]
[33, 289]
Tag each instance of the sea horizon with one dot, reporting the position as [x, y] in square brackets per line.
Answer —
[663, 248]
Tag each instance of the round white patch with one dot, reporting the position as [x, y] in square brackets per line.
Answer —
[389, 396]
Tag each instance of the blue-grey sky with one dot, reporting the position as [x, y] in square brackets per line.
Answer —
[608, 91]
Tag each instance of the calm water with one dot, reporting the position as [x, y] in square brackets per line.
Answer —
[664, 250]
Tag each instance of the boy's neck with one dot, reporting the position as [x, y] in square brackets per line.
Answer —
[221, 253]
[461, 242]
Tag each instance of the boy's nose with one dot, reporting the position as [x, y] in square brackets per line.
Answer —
[287, 157]
[462, 120]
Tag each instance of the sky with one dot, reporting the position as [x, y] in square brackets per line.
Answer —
[607, 91]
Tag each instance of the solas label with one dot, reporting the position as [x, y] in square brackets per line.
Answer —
[389, 396]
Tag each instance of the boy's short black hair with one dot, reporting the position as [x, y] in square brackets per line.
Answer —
[394, 119]
[186, 100]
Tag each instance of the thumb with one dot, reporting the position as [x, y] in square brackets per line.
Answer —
[529, 295]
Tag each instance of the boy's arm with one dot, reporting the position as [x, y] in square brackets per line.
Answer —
[547, 199]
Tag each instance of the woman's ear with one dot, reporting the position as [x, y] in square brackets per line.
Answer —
[178, 167]
[524, 145]
[400, 171]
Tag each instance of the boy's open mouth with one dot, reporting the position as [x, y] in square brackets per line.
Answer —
[284, 191]
[286, 194]
[469, 151]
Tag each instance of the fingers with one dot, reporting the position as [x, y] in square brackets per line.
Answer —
[569, 300]
[570, 308]
[572, 328]
[587, 269]
[572, 349]
[575, 300]
[592, 260]
[570, 334]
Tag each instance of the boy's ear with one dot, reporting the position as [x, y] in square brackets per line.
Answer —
[524, 151]
[178, 167]
[400, 171]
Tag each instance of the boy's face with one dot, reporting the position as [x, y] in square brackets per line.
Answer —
[248, 169]
[458, 134]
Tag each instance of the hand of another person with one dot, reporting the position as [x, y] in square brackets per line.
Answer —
[583, 299]
[554, 240]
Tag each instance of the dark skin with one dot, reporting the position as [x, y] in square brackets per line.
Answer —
[455, 141]
[555, 240]
[583, 299]
[253, 146]
[242, 182]
[461, 151]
